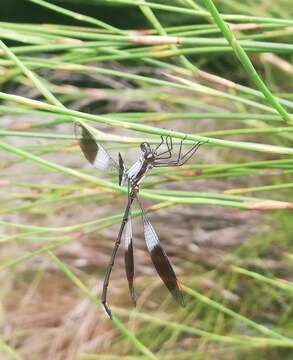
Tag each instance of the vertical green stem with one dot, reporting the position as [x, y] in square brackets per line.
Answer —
[244, 59]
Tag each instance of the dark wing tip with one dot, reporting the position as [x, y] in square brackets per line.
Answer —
[129, 267]
[87, 143]
[107, 310]
[179, 295]
[166, 273]
[121, 169]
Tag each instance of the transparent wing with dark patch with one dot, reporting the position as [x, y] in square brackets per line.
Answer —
[160, 259]
[95, 152]
[128, 257]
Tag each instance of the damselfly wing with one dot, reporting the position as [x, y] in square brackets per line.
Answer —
[94, 152]
[160, 259]
[128, 257]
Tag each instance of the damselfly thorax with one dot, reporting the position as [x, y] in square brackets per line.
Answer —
[137, 172]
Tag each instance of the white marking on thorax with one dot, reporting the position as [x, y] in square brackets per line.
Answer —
[135, 168]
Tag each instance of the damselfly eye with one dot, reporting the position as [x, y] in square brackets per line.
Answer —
[143, 147]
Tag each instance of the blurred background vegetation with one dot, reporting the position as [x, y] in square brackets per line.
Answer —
[225, 218]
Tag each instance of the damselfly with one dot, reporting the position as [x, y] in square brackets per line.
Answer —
[151, 157]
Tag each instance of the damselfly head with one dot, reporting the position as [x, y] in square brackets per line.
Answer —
[147, 151]
[145, 147]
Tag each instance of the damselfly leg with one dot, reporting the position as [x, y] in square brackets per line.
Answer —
[169, 145]
[181, 158]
